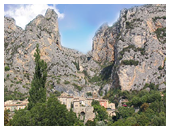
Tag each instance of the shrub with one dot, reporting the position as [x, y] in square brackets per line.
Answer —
[89, 94]
[58, 81]
[66, 82]
[7, 76]
[7, 68]
[130, 62]
[142, 50]
[161, 33]
[95, 79]
[77, 86]
[90, 123]
[129, 25]
[77, 65]
[101, 93]
[18, 82]
[57, 93]
[160, 68]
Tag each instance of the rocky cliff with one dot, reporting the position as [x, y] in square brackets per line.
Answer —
[128, 54]
[137, 45]
[67, 68]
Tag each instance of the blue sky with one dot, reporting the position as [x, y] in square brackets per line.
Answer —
[77, 22]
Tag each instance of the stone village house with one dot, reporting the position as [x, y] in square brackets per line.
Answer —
[82, 106]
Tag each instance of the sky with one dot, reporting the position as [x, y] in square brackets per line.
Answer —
[77, 22]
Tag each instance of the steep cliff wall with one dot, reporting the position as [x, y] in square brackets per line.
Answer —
[139, 47]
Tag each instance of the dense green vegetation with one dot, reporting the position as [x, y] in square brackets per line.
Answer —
[50, 113]
[151, 105]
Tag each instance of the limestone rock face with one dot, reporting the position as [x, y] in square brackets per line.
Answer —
[19, 52]
[128, 54]
[103, 43]
[138, 35]
[143, 39]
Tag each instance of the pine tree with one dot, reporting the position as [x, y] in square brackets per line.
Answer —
[37, 93]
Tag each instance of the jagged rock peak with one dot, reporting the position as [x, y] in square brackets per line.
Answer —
[102, 27]
[9, 19]
[51, 14]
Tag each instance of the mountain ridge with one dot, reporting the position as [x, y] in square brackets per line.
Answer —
[121, 54]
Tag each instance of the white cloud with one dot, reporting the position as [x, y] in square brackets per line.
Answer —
[23, 14]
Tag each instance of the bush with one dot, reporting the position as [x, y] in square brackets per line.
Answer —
[129, 25]
[89, 94]
[90, 123]
[101, 93]
[57, 93]
[95, 79]
[77, 86]
[66, 82]
[160, 68]
[161, 33]
[130, 62]
[18, 82]
[7, 68]
[77, 65]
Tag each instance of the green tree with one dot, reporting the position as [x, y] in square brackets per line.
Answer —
[50, 113]
[37, 93]
[144, 106]
[159, 120]
[6, 117]
[130, 121]
[149, 113]
[125, 111]
[142, 120]
[22, 117]
[94, 102]
[101, 113]
[119, 122]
